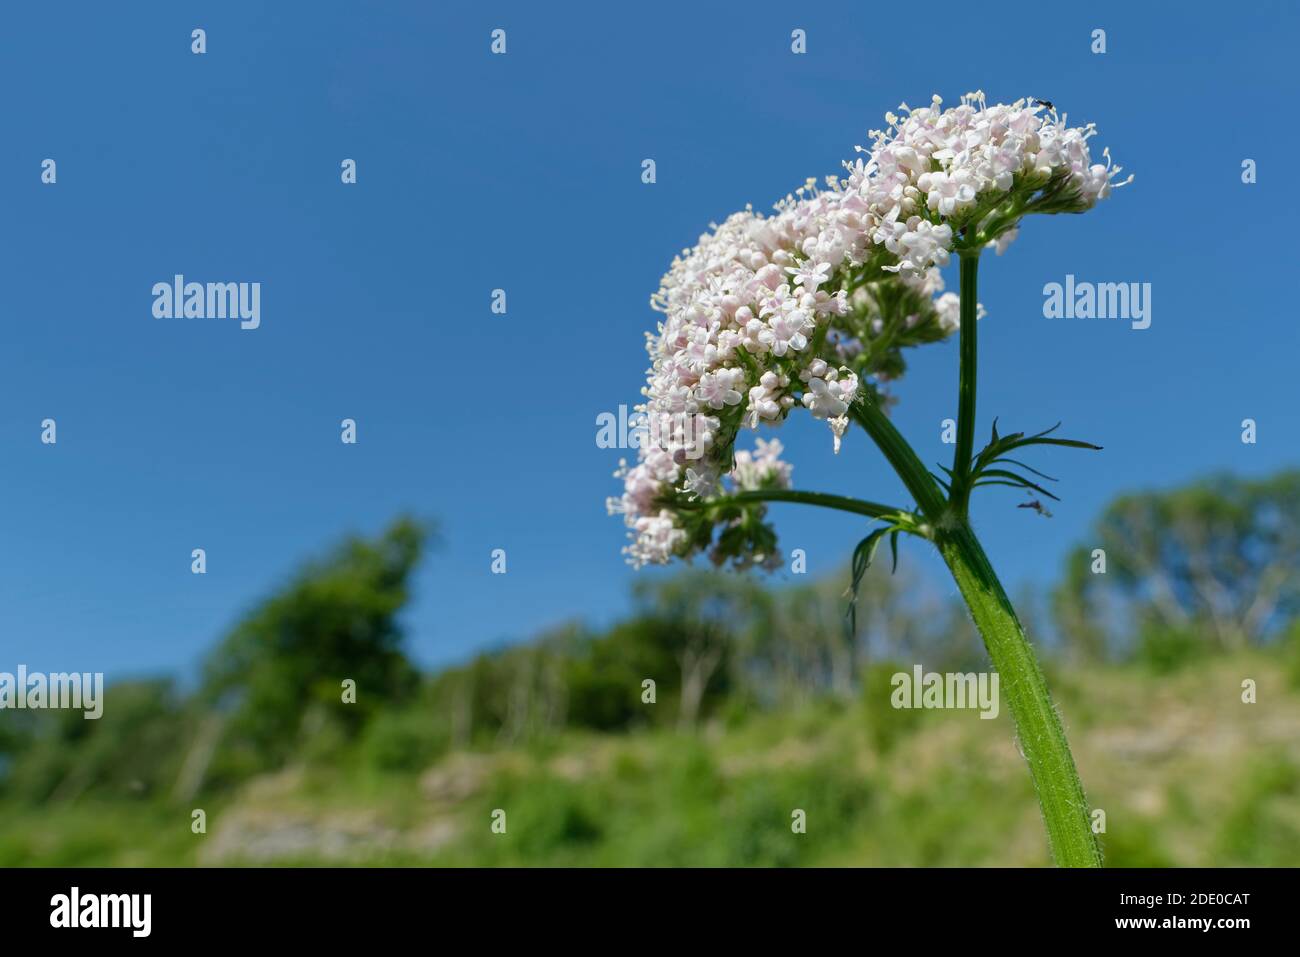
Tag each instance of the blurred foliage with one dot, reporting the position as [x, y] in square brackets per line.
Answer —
[283, 666]
[692, 730]
[133, 755]
[1217, 558]
[1200, 780]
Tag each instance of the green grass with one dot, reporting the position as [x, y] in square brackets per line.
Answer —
[1186, 774]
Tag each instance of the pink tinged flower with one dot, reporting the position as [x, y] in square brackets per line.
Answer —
[770, 276]
[656, 539]
[815, 370]
[783, 267]
[752, 339]
[923, 245]
[761, 468]
[765, 399]
[948, 193]
[821, 401]
[674, 399]
[785, 331]
[702, 483]
[717, 389]
[810, 274]
[702, 353]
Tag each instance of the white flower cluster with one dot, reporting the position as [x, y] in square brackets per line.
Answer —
[804, 307]
[761, 468]
[962, 164]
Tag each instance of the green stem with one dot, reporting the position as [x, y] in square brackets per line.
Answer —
[1042, 739]
[961, 461]
[839, 502]
[918, 480]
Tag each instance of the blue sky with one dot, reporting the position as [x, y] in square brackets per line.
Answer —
[522, 172]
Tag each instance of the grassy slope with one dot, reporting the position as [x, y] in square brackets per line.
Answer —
[1185, 772]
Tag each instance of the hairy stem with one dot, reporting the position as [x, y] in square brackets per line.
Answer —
[1042, 739]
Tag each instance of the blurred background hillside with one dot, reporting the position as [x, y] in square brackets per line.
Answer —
[522, 172]
[764, 702]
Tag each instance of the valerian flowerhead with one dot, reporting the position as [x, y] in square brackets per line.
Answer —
[812, 306]
[971, 173]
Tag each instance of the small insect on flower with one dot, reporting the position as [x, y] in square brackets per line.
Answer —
[1045, 103]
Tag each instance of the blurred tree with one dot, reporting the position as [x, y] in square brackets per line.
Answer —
[282, 668]
[132, 750]
[605, 680]
[1220, 556]
[708, 613]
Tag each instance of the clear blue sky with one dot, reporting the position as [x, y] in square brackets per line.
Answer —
[523, 172]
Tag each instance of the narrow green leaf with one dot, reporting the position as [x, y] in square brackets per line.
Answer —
[1020, 480]
[1030, 468]
[862, 557]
